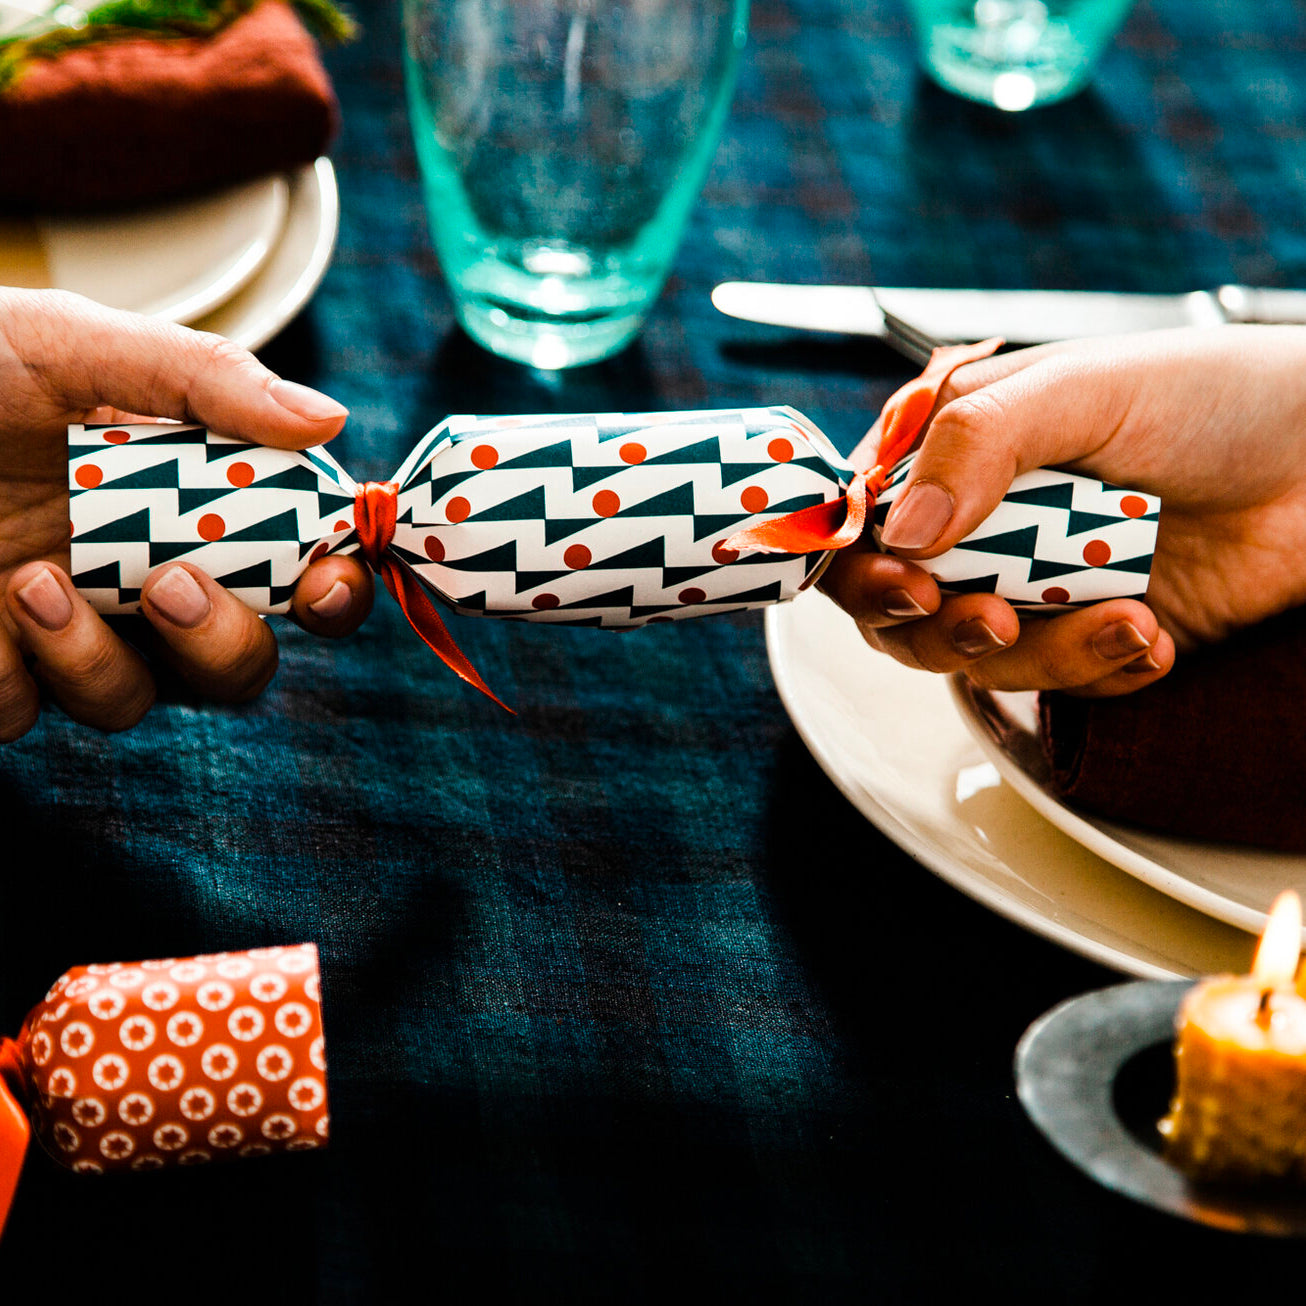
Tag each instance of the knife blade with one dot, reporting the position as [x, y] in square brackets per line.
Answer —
[1020, 316]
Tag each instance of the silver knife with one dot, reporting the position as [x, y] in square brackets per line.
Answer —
[1020, 316]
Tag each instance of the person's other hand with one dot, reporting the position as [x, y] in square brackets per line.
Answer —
[1212, 421]
[64, 359]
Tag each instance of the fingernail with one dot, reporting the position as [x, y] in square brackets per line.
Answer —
[303, 402]
[334, 603]
[1121, 639]
[918, 518]
[1140, 666]
[974, 637]
[898, 603]
[45, 601]
[180, 598]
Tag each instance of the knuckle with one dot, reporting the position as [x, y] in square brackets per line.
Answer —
[243, 665]
[891, 643]
[125, 711]
[20, 705]
[222, 352]
[971, 428]
[89, 669]
[1055, 669]
[920, 641]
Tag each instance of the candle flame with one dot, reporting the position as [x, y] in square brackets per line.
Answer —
[1275, 963]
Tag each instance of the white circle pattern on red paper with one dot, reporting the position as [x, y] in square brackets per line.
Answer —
[185, 1029]
[274, 1063]
[89, 1112]
[171, 1137]
[227, 1134]
[220, 1061]
[76, 1038]
[279, 1126]
[66, 1138]
[197, 1103]
[245, 1023]
[269, 987]
[136, 1109]
[244, 1099]
[107, 1004]
[117, 1145]
[307, 1094]
[216, 995]
[293, 1019]
[137, 1032]
[166, 1072]
[111, 1071]
[242, 1093]
[160, 996]
[62, 1083]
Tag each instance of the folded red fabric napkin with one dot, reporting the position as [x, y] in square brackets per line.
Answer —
[1215, 751]
[132, 121]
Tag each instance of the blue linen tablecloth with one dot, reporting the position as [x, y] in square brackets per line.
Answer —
[622, 998]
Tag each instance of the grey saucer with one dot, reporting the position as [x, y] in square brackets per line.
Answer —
[1095, 1074]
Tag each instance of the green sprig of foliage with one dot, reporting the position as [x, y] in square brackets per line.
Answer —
[165, 19]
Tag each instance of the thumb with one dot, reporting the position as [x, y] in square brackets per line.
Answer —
[87, 356]
[1038, 412]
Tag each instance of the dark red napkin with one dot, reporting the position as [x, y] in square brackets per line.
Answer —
[1215, 751]
[135, 121]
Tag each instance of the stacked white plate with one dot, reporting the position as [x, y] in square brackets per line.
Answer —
[956, 778]
[241, 262]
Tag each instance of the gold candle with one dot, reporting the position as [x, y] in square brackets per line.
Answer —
[1239, 1110]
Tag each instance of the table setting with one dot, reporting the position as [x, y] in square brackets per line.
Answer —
[735, 957]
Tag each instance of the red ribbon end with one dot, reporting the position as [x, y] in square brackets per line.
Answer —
[376, 513]
[15, 1129]
[840, 522]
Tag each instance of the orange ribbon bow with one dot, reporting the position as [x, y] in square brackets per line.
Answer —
[376, 509]
[840, 522]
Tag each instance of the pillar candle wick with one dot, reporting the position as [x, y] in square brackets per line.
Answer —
[1263, 1012]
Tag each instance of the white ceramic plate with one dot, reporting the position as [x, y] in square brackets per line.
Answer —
[892, 740]
[1233, 884]
[294, 269]
[176, 261]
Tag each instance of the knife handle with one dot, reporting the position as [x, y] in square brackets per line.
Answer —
[1259, 304]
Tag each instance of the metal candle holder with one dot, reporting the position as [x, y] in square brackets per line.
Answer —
[1096, 1073]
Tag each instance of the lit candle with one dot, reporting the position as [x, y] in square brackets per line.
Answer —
[1239, 1110]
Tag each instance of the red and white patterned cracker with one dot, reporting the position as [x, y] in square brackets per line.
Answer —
[182, 1061]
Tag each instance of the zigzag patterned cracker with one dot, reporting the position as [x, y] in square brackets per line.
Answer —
[250, 517]
[606, 520]
[594, 519]
[1057, 539]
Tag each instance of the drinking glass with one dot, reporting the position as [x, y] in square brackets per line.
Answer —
[1015, 53]
[562, 145]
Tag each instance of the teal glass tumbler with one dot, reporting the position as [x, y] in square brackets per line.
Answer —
[1015, 54]
[562, 145]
